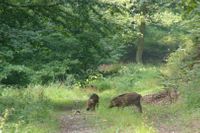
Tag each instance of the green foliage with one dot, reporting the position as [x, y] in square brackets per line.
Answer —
[32, 107]
[4, 118]
[182, 72]
[130, 77]
[102, 85]
[191, 13]
[130, 121]
[58, 38]
[167, 18]
[191, 88]
[54, 39]
[193, 99]
[109, 69]
[62, 43]
[15, 75]
[27, 106]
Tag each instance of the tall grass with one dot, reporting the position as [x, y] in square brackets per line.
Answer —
[33, 109]
[36, 108]
[125, 120]
[29, 109]
[131, 77]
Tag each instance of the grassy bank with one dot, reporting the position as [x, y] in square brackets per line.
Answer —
[36, 108]
[25, 110]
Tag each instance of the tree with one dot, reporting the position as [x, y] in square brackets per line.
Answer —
[138, 8]
[142, 12]
[191, 13]
[140, 45]
[49, 40]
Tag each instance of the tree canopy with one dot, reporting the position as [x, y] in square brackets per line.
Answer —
[52, 40]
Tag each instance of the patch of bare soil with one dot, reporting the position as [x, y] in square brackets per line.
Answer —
[76, 122]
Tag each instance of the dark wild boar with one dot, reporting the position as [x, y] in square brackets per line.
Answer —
[92, 102]
[127, 99]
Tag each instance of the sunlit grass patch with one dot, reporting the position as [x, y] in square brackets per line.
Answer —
[35, 127]
[123, 120]
[29, 109]
[131, 77]
[37, 107]
[63, 94]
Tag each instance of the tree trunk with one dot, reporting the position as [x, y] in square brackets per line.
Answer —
[140, 45]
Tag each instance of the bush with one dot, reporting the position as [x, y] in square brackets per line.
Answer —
[27, 105]
[102, 85]
[130, 77]
[183, 72]
[191, 90]
[106, 69]
[15, 75]
[193, 99]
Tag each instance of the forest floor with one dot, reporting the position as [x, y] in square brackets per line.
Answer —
[76, 120]
[81, 121]
[62, 109]
[75, 123]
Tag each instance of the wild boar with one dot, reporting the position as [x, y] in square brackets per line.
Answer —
[92, 102]
[173, 95]
[127, 99]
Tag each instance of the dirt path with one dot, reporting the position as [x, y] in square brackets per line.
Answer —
[76, 122]
[81, 121]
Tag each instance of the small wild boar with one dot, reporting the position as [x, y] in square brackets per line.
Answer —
[173, 95]
[92, 102]
[127, 99]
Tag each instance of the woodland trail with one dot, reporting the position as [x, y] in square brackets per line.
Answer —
[76, 122]
[80, 121]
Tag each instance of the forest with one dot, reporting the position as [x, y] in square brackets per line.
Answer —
[76, 66]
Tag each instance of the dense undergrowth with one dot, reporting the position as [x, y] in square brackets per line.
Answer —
[182, 72]
[34, 109]
[28, 110]
[50, 57]
[31, 109]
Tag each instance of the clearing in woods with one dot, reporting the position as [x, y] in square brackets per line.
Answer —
[78, 120]
[159, 114]
[81, 121]
[76, 123]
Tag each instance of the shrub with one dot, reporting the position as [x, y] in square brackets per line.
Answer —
[15, 75]
[102, 85]
[182, 72]
[28, 104]
[106, 69]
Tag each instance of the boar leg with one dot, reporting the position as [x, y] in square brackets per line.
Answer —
[93, 107]
[97, 104]
[138, 105]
